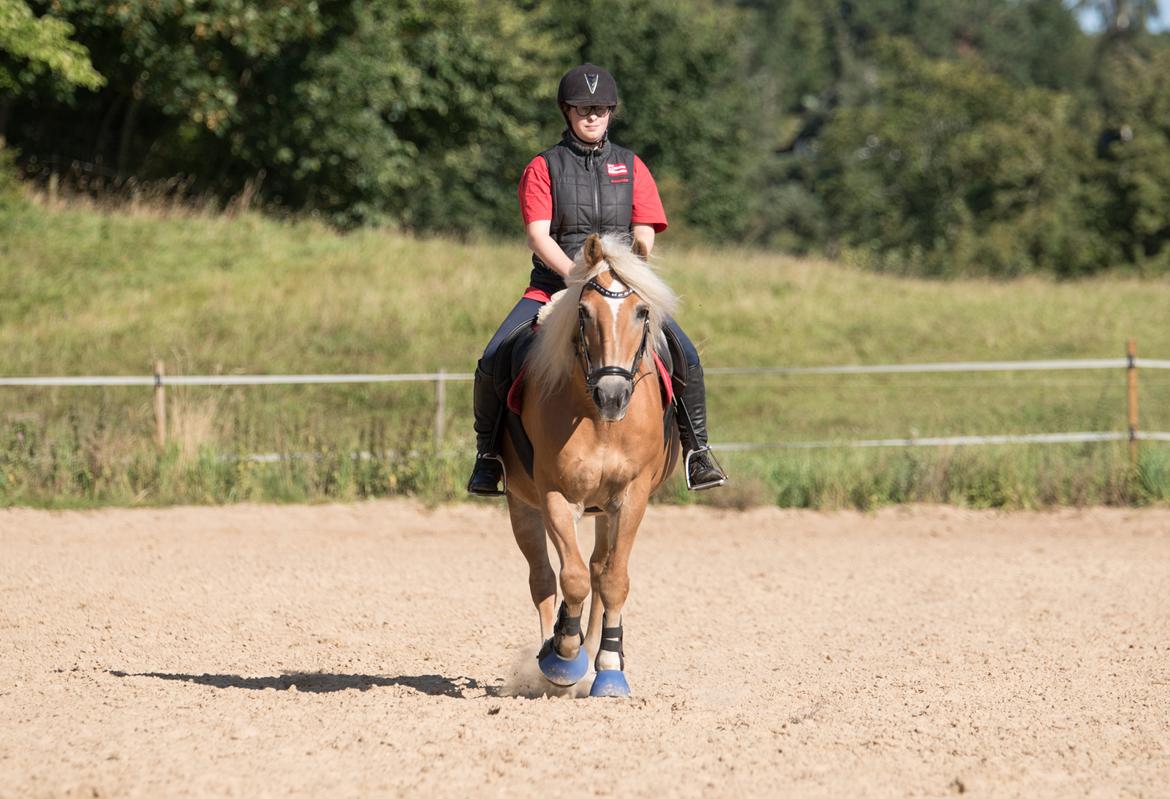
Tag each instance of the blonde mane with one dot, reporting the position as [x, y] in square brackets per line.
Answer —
[553, 358]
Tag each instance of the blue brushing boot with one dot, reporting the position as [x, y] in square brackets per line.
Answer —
[556, 669]
[562, 671]
[610, 682]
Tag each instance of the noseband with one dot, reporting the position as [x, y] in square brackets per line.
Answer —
[592, 376]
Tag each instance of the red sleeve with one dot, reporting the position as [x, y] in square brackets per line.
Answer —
[647, 204]
[536, 191]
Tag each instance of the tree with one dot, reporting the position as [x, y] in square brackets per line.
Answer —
[31, 46]
[37, 50]
[951, 169]
[1134, 150]
[680, 68]
[420, 113]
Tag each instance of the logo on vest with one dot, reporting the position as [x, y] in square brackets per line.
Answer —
[591, 83]
[617, 170]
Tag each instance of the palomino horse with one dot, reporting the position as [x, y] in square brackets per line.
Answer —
[593, 410]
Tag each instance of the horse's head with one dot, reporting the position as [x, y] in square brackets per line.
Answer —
[608, 318]
[613, 332]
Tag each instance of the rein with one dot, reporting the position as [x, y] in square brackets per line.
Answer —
[592, 376]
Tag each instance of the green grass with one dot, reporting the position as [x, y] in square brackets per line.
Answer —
[84, 291]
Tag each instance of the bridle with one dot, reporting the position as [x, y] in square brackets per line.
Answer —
[592, 376]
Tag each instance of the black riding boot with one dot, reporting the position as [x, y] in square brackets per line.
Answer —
[488, 472]
[702, 470]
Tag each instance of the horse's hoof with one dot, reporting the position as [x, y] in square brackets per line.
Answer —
[610, 682]
[562, 671]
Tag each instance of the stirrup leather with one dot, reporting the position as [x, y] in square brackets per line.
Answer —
[499, 492]
[709, 483]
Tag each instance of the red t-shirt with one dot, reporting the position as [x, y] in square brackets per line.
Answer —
[536, 195]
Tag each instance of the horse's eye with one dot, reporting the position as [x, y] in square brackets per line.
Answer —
[582, 312]
[642, 313]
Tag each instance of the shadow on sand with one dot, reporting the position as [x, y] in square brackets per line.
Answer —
[319, 682]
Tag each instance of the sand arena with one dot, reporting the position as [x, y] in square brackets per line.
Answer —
[385, 648]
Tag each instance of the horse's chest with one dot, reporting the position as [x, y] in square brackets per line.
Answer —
[601, 471]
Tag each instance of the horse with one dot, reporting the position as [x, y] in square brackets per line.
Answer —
[594, 412]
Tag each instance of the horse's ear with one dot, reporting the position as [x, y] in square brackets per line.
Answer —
[593, 251]
[639, 249]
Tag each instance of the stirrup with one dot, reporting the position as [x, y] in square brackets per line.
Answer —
[499, 492]
[710, 483]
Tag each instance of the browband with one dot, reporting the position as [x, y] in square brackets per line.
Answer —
[604, 292]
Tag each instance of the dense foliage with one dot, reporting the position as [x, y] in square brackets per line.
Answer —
[924, 136]
[37, 55]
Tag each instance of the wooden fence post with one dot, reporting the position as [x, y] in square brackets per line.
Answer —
[160, 407]
[1132, 397]
[440, 409]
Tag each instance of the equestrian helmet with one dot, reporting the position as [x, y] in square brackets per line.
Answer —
[587, 84]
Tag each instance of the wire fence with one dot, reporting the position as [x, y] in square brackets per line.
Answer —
[454, 377]
[1131, 364]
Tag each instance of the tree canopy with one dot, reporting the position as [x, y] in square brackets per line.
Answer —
[923, 136]
[33, 48]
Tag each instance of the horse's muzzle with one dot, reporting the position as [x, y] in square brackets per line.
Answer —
[611, 395]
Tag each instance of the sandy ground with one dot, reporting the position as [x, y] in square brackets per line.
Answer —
[372, 649]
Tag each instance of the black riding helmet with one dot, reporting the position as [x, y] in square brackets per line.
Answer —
[587, 84]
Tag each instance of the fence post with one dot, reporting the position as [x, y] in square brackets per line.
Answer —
[440, 409]
[160, 407]
[1132, 397]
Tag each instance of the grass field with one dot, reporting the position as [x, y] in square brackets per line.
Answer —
[85, 291]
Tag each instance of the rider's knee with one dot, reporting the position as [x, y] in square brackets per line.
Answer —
[682, 349]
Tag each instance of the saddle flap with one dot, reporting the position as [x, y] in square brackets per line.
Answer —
[509, 361]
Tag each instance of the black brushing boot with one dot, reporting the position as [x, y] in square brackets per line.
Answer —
[702, 470]
[488, 472]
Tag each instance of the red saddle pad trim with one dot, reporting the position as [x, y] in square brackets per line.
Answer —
[664, 376]
[516, 392]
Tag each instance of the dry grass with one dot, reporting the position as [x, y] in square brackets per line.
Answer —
[90, 289]
[192, 424]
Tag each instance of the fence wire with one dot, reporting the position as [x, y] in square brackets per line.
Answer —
[442, 377]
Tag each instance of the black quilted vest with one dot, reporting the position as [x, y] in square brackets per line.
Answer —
[592, 192]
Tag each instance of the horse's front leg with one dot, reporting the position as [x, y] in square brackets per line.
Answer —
[528, 527]
[562, 658]
[614, 585]
[601, 545]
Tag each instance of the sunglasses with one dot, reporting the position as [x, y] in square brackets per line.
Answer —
[590, 110]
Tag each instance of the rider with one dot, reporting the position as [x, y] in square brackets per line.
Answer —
[587, 184]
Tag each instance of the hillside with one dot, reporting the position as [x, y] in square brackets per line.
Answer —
[107, 292]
